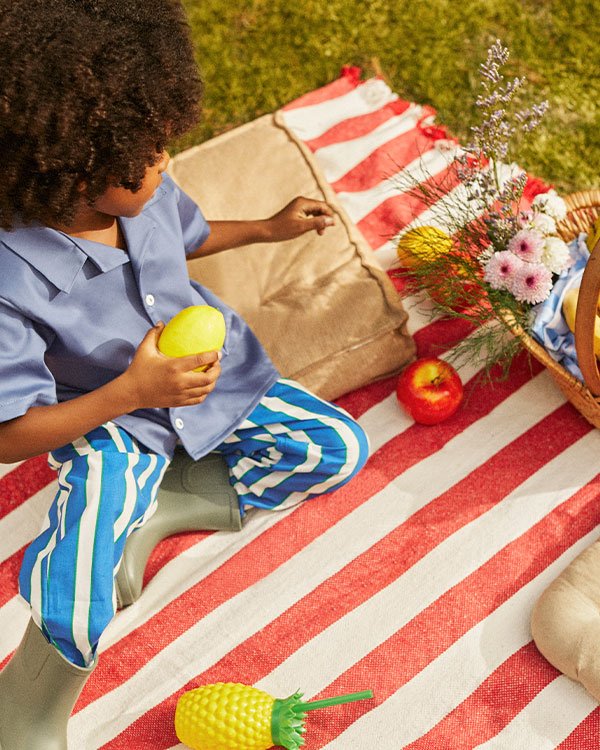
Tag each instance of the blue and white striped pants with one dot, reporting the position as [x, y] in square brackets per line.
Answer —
[292, 447]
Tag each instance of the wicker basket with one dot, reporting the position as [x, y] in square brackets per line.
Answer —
[582, 209]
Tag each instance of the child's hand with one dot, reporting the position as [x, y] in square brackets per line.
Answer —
[298, 217]
[156, 381]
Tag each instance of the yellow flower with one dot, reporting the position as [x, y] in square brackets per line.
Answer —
[422, 243]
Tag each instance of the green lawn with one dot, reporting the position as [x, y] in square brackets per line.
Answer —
[256, 55]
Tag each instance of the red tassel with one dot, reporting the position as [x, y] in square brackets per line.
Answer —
[353, 72]
[433, 131]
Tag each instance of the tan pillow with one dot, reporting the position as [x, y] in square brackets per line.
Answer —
[565, 622]
[324, 310]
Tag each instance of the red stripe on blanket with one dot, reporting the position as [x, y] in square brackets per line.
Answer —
[385, 162]
[356, 127]
[169, 549]
[9, 576]
[23, 482]
[358, 402]
[585, 735]
[339, 87]
[386, 560]
[443, 334]
[392, 215]
[471, 601]
[495, 702]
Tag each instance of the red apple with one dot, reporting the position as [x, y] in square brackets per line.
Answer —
[430, 390]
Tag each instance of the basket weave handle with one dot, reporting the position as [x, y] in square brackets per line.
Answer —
[585, 321]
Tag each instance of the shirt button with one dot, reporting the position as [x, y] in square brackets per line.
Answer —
[179, 423]
[150, 299]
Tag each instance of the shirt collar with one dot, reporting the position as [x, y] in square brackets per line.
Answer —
[60, 257]
[53, 254]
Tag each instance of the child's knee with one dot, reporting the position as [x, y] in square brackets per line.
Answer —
[358, 450]
[350, 457]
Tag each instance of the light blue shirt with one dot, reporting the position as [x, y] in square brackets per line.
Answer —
[549, 325]
[73, 312]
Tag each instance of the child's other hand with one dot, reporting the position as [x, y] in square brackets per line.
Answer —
[299, 216]
[156, 381]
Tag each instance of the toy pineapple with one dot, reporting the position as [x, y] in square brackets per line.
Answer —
[231, 716]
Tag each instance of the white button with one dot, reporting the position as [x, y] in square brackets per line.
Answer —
[150, 299]
[179, 423]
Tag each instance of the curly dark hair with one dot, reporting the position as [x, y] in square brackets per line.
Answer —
[90, 91]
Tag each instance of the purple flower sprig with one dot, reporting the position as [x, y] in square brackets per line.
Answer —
[530, 118]
[497, 57]
[500, 230]
[499, 121]
[511, 192]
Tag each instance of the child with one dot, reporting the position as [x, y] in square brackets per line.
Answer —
[92, 259]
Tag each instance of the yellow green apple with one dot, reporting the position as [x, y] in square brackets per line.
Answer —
[194, 330]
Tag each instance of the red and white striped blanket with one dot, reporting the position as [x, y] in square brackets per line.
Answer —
[416, 580]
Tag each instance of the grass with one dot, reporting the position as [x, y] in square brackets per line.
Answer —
[256, 55]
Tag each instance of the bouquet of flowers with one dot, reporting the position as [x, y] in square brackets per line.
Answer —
[490, 250]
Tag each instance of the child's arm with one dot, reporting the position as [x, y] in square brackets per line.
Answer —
[151, 381]
[300, 216]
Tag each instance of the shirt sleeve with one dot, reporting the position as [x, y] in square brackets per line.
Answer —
[194, 226]
[25, 381]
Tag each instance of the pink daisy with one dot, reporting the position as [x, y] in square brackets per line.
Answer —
[528, 245]
[532, 283]
[524, 219]
[501, 268]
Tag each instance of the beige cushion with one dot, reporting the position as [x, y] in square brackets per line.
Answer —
[566, 620]
[324, 310]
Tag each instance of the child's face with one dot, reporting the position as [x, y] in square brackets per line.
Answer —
[119, 201]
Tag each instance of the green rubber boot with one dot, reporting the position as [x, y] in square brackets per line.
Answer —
[193, 496]
[38, 689]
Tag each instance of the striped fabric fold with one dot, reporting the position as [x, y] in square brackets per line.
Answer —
[416, 579]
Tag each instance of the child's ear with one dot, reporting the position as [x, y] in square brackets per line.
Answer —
[81, 187]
